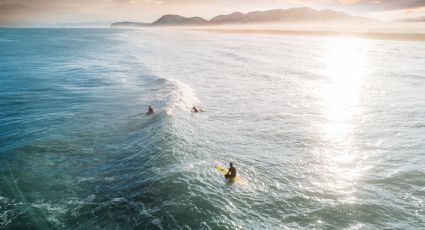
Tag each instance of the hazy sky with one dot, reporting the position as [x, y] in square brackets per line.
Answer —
[51, 12]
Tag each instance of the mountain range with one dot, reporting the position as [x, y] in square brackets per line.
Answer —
[292, 15]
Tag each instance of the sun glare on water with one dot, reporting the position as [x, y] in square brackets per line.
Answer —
[345, 67]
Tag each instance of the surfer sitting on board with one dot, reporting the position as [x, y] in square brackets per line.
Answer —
[196, 110]
[150, 110]
[232, 172]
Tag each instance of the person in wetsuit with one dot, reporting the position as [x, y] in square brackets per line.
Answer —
[150, 110]
[196, 110]
[232, 172]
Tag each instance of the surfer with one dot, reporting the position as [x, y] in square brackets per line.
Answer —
[196, 110]
[150, 110]
[232, 172]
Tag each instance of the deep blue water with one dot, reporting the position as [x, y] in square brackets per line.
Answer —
[329, 133]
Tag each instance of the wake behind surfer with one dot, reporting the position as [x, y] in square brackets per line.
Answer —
[150, 110]
[232, 172]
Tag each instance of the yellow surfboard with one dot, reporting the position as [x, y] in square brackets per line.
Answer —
[224, 171]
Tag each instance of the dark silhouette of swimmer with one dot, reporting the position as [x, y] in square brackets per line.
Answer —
[232, 172]
[196, 110]
[150, 110]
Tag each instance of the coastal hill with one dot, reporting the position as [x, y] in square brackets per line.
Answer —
[130, 24]
[419, 19]
[171, 19]
[292, 15]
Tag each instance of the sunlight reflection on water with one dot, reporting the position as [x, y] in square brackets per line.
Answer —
[345, 69]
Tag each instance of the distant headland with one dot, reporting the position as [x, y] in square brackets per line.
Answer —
[292, 15]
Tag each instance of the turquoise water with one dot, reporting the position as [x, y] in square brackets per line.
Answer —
[329, 133]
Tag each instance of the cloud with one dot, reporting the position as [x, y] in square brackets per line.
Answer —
[40, 11]
[381, 5]
[370, 5]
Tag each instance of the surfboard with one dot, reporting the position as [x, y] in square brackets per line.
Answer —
[224, 171]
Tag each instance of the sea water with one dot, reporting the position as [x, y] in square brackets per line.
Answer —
[328, 132]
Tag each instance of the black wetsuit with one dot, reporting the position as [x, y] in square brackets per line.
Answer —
[231, 173]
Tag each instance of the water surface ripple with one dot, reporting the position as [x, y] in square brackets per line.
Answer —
[329, 133]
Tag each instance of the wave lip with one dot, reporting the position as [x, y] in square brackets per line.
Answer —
[177, 96]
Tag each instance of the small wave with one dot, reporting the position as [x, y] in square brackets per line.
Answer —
[173, 95]
[182, 97]
[17, 214]
[6, 40]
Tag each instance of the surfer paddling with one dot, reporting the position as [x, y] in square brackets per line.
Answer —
[150, 110]
[232, 172]
[196, 110]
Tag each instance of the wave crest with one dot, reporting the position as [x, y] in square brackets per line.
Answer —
[175, 95]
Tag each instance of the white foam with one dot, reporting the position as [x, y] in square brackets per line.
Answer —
[181, 96]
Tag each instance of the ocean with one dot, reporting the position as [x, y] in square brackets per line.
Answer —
[327, 132]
